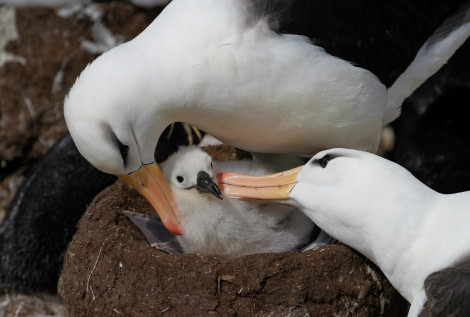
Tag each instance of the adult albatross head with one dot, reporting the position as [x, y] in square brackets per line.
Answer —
[111, 128]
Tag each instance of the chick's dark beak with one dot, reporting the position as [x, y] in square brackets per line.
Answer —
[205, 184]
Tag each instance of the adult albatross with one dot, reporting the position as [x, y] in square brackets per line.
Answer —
[224, 67]
[418, 237]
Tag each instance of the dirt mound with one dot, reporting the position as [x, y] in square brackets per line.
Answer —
[110, 269]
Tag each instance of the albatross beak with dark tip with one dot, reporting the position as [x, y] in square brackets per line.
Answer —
[266, 187]
[205, 184]
[149, 182]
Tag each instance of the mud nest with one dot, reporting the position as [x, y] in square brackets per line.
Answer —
[110, 269]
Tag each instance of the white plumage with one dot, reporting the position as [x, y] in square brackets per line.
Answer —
[221, 66]
[229, 226]
[380, 209]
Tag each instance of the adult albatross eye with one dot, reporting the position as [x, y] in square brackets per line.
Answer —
[123, 149]
[323, 162]
[180, 179]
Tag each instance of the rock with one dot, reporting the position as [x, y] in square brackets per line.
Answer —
[110, 268]
[23, 305]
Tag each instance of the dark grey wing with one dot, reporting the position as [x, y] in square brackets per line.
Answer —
[451, 24]
[42, 218]
[155, 232]
[432, 133]
[448, 292]
[381, 36]
[271, 9]
[267, 10]
[321, 239]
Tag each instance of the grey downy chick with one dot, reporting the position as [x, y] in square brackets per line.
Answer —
[213, 224]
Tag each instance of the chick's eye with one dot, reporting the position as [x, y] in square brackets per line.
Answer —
[212, 166]
[180, 179]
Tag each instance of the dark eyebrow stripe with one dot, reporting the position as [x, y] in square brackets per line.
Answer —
[123, 149]
[328, 156]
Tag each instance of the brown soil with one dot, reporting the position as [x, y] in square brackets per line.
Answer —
[225, 152]
[31, 115]
[110, 269]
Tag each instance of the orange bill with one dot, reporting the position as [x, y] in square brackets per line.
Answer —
[266, 187]
[149, 182]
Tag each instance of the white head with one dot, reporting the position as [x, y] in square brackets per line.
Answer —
[352, 188]
[115, 118]
[357, 197]
[112, 122]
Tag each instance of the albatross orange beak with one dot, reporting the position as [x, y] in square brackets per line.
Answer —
[266, 187]
[149, 182]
